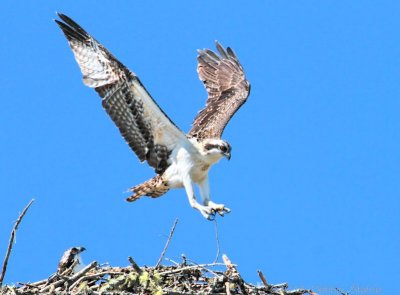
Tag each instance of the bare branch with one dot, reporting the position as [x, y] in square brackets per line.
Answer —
[167, 244]
[172, 261]
[134, 265]
[263, 279]
[42, 282]
[217, 239]
[202, 266]
[227, 262]
[94, 276]
[10, 243]
[341, 292]
[72, 279]
[233, 273]
[227, 288]
[83, 271]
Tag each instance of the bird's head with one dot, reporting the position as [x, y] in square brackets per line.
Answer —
[77, 250]
[216, 148]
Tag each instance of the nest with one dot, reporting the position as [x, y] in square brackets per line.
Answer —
[182, 278]
[179, 278]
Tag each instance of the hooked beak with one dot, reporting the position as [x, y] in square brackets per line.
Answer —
[227, 155]
[81, 249]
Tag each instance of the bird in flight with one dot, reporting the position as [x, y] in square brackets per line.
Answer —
[179, 159]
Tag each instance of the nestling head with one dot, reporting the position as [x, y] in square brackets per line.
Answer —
[77, 250]
[216, 147]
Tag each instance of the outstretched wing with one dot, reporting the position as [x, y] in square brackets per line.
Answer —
[227, 88]
[145, 127]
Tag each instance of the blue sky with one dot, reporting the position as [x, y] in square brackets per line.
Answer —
[313, 182]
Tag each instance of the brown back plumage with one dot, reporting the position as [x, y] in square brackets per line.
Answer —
[227, 88]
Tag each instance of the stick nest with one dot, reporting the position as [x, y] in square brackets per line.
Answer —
[183, 278]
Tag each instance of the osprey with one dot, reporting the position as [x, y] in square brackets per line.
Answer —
[71, 258]
[179, 159]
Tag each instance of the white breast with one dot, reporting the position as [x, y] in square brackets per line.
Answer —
[79, 266]
[186, 159]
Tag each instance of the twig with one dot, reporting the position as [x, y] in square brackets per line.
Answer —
[167, 244]
[301, 292]
[34, 284]
[69, 270]
[228, 288]
[217, 239]
[172, 261]
[234, 274]
[341, 292]
[71, 280]
[263, 279]
[203, 266]
[10, 243]
[94, 276]
[134, 265]
[227, 262]
[280, 286]
[83, 271]
[54, 285]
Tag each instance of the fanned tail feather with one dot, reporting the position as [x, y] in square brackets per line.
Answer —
[154, 188]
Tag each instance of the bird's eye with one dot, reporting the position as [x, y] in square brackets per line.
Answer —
[223, 148]
[209, 147]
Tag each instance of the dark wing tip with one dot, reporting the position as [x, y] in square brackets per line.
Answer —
[231, 53]
[67, 30]
[219, 46]
[70, 28]
[60, 24]
[221, 50]
[67, 20]
[201, 60]
[209, 56]
[225, 53]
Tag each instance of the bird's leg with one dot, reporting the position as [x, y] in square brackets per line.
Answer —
[206, 211]
[204, 188]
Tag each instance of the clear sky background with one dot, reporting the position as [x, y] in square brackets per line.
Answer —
[313, 182]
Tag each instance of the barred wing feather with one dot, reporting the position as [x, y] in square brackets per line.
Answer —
[227, 88]
[145, 127]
